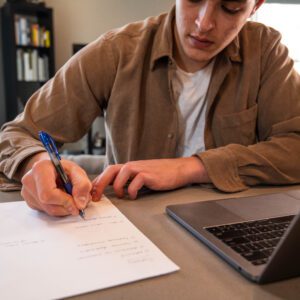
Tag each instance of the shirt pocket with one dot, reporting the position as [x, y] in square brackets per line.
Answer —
[237, 128]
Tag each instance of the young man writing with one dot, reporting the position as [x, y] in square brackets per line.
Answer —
[197, 95]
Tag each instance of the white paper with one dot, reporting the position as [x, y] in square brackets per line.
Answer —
[44, 257]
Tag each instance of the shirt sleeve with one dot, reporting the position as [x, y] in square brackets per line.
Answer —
[64, 107]
[275, 158]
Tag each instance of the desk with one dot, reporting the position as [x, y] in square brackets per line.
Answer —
[203, 275]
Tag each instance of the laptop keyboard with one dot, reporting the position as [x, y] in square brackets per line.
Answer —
[254, 240]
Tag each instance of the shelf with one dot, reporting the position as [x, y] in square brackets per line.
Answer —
[29, 47]
[28, 62]
[31, 82]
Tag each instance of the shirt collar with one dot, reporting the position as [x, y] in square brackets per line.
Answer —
[232, 51]
[164, 42]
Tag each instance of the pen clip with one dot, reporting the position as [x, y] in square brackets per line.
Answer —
[49, 144]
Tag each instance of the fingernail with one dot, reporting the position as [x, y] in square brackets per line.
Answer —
[82, 199]
[94, 196]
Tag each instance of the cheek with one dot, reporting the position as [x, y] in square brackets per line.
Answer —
[182, 25]
[230, 32]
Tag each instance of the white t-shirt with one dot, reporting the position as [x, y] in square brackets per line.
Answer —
[190, 91]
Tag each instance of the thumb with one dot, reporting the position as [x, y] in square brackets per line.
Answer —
[82, 186]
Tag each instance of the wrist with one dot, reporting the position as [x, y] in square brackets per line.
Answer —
[197, 171]
[28, 163]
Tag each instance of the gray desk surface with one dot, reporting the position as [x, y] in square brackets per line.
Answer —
[202, 274]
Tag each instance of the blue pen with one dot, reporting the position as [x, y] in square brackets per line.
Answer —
[50, 146]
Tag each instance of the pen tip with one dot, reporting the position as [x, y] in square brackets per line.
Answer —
[82, 214]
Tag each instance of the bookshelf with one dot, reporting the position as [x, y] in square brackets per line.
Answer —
[27, 52]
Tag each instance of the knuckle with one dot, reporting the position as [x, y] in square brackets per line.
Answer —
[44, 197]
[25, 179]
[141, 176]
[30, 204]
[127, 167]
[110, 168]
[37, 166]
[87, 185]
[51, 211]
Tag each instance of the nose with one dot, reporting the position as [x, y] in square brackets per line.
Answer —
[205, 20]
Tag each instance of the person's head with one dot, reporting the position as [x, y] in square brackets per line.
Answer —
[203, 28]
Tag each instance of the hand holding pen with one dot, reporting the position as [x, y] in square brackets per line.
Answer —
[50, 146]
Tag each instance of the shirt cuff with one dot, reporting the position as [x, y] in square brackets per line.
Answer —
[13, 164]
[8, 185]
[222, 169]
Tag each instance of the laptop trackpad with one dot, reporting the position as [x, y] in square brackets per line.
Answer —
[263, 206]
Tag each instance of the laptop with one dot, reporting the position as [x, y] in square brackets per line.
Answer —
[259, 236]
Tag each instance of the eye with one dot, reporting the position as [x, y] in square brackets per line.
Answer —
[231, 11]
[194, 1]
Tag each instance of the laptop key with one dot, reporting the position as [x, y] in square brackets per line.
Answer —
[284, 219]
[235, 241]
[251, 230]
[268, 252]
[254, 255]
[253, 246]
[259, 262]
[230, 234]
[241, 249]
[254, 240]
[274, 242]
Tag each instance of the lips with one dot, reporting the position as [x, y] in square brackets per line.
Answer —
[200, 43]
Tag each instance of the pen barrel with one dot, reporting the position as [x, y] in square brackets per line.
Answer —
[68, 188]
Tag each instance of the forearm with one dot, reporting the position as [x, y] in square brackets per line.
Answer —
[196, 172]
[234, 168]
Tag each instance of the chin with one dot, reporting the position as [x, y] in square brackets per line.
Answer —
[200, 58]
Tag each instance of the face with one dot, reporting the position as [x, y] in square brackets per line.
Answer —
[203, 28]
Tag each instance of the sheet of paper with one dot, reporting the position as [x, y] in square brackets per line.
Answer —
[44, 257]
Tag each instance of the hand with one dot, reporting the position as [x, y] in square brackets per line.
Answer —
[158, 174]
[42, 191]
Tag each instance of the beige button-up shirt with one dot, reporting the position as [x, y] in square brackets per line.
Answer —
[252, 131]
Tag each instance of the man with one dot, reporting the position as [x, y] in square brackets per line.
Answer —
[196, 96]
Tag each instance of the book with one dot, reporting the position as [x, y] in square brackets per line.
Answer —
[28, 32]
[20, 64]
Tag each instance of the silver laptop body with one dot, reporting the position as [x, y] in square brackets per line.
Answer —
[284, 261]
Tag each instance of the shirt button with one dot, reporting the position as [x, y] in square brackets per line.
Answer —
[170, 135]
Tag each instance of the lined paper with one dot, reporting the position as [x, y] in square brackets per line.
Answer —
[43, 257]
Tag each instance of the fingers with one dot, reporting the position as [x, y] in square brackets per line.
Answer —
[51, 209]
[103, 180]
[41, 192]
[125, 173]
[119, 176]
[136, 184]
[82, 186]
[44, 178]
[156, 174]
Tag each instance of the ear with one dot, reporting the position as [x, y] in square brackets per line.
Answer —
[257, 6]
